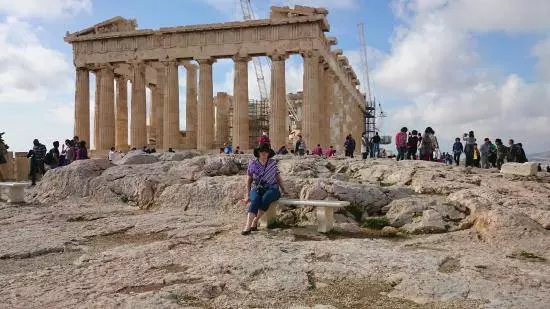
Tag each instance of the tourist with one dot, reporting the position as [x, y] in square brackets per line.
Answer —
[263, 185]
[502, 153]
[364, 146]
[111, 154]
[228, 149]
[329, 152]
[513, 151]
[68, 154]
[76, 141]
[548, 168]
[238, 150]
[429, 144]
[349, 146]
[412, 145]
[522, 158]
[470, 140]
[449, 159]
[146, 149]
[375, 152]
[171, 150]
[458, 149]
[3, 153]
[37, 155]
[401, 143]
[52, 158]
[153, 150]
[82, 152]
[264, 139]
[476, 156]
[300, 146]
[282, 151]
[539, 168]
[317, 151]
[485, 150]
[418, 146]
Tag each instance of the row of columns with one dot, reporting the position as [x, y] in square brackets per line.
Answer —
[320, 93]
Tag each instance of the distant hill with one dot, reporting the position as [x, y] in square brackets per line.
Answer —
[542, 157]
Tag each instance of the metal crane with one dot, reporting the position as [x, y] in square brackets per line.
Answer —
[248, 14]
[371, 102]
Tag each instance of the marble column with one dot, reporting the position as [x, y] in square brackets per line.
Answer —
[106, 133]
[121, 115]
[328, 81]
[222, 104]
[138, 108]
[96, 107]
[191, 105]
[153, 118]
[278, 130]
[205, 107]
[171, 107]
[241, 127]
[82, 105]
[158, 102]
[311, 107]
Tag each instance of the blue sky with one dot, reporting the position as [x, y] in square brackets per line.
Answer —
[455, 65]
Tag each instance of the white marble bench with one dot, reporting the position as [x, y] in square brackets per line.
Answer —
[323, 209]
[16, 191]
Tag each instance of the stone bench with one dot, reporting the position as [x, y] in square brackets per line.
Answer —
[323, 209]
[519, 169]
[16, 191]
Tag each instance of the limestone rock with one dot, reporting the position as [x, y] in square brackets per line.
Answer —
[136, 157]
[519, 169]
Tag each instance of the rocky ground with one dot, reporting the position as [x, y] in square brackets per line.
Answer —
[162, 231]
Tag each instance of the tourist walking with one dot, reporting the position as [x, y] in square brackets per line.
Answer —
[375, 146]
[485, 151]
[401, 143]
[36, 155]
[412, 145]
[364, 146]
[457, 150]
[264, 185]
[429, 144]
[300, 146]
[469, 140]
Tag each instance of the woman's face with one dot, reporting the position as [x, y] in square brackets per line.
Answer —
[264, 155]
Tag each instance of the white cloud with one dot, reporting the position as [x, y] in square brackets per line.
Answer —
[433, 65]
[62, 113]
[29, 71]
[46, 9]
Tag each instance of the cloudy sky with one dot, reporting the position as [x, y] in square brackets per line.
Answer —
[455, 65]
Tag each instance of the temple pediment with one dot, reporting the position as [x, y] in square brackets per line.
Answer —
[115, 24]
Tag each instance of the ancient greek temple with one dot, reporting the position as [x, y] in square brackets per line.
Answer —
[116, 52]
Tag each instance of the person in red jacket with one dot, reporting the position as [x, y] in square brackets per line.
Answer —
[401, 143]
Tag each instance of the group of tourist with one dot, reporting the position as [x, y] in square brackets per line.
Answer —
[73, 149]
[415, 145]
[489, 154]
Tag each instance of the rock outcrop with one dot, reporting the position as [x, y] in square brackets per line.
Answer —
[162, 230]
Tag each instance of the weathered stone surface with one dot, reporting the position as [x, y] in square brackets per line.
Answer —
[136, 157]
[186, 250]
[519, 169]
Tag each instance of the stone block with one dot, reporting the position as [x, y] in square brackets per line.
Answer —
[519, 169]
[22, 166]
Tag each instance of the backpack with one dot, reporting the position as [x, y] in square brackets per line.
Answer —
[48, 159]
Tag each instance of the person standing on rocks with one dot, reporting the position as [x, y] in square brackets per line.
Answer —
[429, 144]
[485, 151]
[476, 157]
[457, 150]
[364, 146]
[502, 152]
[470, 140]
[375, 152]
[264, 185]
[300, 146]
[37, 155]
[401, 143]
[412, 145]
[82, 151]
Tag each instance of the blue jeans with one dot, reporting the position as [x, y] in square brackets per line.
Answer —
[375, 151]
[261, 201]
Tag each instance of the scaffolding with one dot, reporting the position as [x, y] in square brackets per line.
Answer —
[258, 115]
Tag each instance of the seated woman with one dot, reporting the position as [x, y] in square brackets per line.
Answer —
[263, 185]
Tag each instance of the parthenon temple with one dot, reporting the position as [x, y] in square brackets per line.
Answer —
[116, 52]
